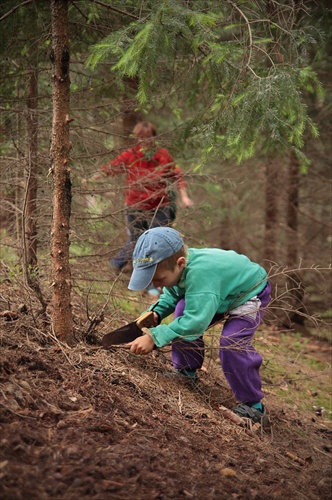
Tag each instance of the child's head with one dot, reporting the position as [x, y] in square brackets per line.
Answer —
[145, 132]
[144, 129]
[169, 271]
[160, 247]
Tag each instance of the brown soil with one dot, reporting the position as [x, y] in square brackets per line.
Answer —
[81, 422]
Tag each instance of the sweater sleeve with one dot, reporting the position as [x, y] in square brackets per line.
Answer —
[198, 314]
[179, 177]
[118, 165]
[167, 302]
[171, 171]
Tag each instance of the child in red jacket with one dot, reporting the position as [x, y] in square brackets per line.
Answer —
[150, 173]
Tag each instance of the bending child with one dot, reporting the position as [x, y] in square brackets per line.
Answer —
[203, 286]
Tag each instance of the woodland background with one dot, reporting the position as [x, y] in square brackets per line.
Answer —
[240, 93]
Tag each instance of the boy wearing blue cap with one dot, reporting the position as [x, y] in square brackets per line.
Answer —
[202, 286]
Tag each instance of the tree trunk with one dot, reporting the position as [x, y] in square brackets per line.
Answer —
[29, 233]
[60, 147]
[294, 281]
[30, 204]
[18, 181]
[271, 210]
[130, 115]
[292, 210]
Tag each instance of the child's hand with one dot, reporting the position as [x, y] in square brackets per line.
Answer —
[142, 345]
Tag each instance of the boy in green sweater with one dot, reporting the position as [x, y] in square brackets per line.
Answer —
[202, 286]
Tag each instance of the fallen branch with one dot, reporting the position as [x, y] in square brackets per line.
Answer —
[295, 458]
[230, 415]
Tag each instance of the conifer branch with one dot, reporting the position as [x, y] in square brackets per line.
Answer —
[15, 8]
[249, 32]
[115, 9]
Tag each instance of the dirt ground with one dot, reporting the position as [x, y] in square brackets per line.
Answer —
[82, 422]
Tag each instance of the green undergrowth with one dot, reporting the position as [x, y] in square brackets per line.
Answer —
[298, 370]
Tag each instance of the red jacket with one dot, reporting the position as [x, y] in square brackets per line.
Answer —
[148, 177]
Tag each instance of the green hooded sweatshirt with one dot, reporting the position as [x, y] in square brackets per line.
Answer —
[213, 281]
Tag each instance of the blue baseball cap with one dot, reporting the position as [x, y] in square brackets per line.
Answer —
[152, 247]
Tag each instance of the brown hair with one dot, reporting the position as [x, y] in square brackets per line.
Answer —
[170, 262]
[145, 129]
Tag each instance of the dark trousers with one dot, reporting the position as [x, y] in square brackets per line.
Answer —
[138, 222]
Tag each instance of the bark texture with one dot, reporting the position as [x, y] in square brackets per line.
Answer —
[295, 283]
[292, 210]
[271, 210]
[130, 114]
[30, 206]
[60, 147]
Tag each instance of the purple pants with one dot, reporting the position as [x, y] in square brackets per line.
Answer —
[239, 360]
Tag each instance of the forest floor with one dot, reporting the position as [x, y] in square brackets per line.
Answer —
[82, 422]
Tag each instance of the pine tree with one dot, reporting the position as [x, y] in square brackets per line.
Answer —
[243, 66]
